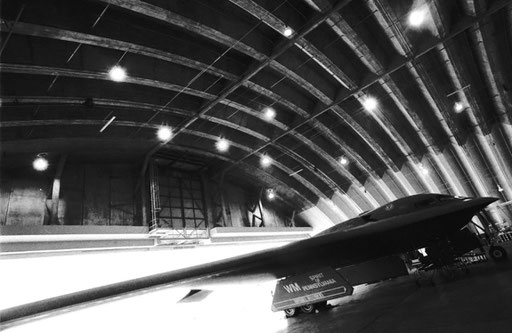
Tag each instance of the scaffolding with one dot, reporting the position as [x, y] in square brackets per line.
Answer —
[178, 208]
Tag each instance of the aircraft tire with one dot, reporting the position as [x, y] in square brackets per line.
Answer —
[309, 308]
[497, 253]
[291, 312]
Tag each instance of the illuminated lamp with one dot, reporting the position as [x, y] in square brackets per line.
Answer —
[417, 17]
[265, 161]
[222, 145]
[269, 113]
[117, 74]
[164, 133]
[458, 107]
[40, 163]
[370, 104]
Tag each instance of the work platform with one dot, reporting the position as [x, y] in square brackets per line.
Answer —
[18, 239]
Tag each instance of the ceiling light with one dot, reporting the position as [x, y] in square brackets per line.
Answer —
[424, 171]
[287, 32]
[40, 163]
[370, 104]
[343, 160]
[417, 17]
[271, 194]
[222, 145]
[164, 133]
[265, 161]
[117, 74]
[500, 189]
[269, 113]
[458, 106]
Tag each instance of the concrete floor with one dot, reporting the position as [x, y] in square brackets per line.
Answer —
[478, 302]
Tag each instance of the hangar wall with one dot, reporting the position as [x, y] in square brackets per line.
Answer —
[104, 194]
[90, 194]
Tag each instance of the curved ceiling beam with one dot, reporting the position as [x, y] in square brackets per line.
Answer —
[485, 142]
[300, 159]
[40, 70]
[281, 166]
[403, 46]
[71, 36]
[338, 74]
[36, 30]
[351, 38]
[381, 186]
[185, 23]
[500, 161]
[99, 123]
[275, 23]
[251, 170]
[74, 101]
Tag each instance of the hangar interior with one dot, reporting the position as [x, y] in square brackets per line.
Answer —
[129, 124]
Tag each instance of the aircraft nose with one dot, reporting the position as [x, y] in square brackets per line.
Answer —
[485, 201]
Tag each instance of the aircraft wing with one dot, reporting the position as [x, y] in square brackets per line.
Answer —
[337, 249]
[294, 258]
[271, 263]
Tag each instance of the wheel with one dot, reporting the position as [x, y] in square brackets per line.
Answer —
[497, 253]
[291, 312]
[309, 308]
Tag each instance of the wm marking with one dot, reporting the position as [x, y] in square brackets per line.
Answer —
[290, 288]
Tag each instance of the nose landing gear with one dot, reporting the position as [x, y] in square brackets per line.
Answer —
[308, 308]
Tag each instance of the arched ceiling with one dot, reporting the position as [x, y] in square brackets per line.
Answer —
[209, 68]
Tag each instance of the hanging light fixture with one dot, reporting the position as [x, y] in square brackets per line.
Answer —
[417, 17]
[265, 161]
[458, 106]
[370, 104]
[164, 133]
[117, 74]
[269, 113]
[40, 163]
[222, 145]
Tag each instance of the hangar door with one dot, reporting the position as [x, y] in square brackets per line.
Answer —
[178, 201]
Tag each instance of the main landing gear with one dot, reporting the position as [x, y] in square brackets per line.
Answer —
[308, 308]
[497, 253]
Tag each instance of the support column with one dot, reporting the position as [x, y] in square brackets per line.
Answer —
[144, 202]
[54, 213]
[222, 201]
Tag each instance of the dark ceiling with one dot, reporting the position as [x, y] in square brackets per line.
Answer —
[208, 69]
